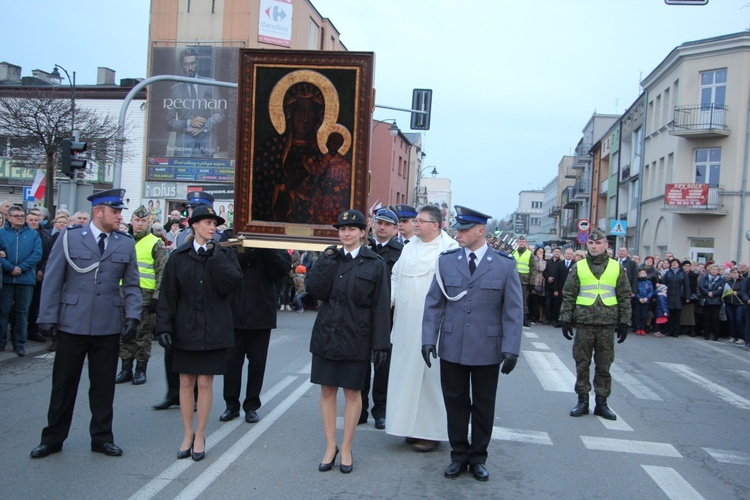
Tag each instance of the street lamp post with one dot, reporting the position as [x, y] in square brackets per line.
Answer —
[50, 174]
[417, 194]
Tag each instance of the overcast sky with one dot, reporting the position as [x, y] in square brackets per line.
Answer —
[514, 81]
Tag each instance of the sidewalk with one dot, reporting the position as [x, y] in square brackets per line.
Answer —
[32, 349]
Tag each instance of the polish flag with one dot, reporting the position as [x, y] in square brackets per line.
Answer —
[375, 206]
[40, 181]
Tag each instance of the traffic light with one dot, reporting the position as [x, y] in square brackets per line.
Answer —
[421, 100]
[70, 160]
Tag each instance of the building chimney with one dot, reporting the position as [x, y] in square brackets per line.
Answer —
[105, 76]
[10, 73]
[44, 76]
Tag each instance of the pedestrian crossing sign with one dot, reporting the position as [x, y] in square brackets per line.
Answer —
[618, 228]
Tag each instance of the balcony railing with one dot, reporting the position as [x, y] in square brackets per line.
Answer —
[580, 190]
[699, 121]
[582, 157]
[554, 211]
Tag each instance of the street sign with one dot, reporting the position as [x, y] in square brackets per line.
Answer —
[27, 194]
[618, 228]
[686, 2]
[582, 237]
[583, 224]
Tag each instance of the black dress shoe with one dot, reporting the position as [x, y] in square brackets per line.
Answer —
[166, 403]
[185, 453]
[380, 423]
[346, 469]
[198, 456]
[44, 450]
[479, 472]
[454, 470]
[325, 467]
[20, 351]
[109, 449]
[251, 417]
[229, 415]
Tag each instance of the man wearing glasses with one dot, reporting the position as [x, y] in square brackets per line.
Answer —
[23, 251]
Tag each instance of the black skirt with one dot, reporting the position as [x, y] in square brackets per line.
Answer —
[346, 374]
[211, 362]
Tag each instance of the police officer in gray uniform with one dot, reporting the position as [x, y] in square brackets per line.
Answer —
[81, 299]
[475, 309]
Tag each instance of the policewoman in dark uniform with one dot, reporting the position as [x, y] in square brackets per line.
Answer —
[81, 300]
[352, 327]
[475, 309]
[194, 319]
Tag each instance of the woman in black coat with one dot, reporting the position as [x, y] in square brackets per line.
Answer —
[711, 287]
[194, 318]
[352, 326]
[678, 293]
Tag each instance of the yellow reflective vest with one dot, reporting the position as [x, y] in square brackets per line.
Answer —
[522, 261]
[604, 287]
[144, 255]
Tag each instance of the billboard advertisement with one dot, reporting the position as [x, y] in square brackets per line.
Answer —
[686, 194]
[191, 127]
[275, 22]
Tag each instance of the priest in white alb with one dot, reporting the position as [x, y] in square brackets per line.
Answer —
[415, 401]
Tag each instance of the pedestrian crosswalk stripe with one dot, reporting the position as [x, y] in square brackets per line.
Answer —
[672, 483]
[744, 373]
[720, 391]
[530, 335]
[551, 372]
[615, 425]
[630, 446]
[632, 384]
[520, 435]
[542, 346]
[729, 456]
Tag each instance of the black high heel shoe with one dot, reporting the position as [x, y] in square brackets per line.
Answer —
[185, 453]
[346, 469]
[197, 457]
[325, 467]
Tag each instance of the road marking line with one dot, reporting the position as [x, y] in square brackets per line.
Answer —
[49, 355]
[530, 335]
[718, 390]
[630, 446]
[632, 384]
[226, 459]
[172, 472]
[729, 456]
[671, 483]
[540, 345]
[615, 425]
[743, 373]
[721, 347]
[279, 339]
[551, 372]
[520, 435]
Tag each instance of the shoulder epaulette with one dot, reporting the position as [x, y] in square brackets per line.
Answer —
[124, 233]
[74, 226]
[504, 254]
[450, 250]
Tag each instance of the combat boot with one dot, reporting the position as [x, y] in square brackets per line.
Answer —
[601, 409]
[140, 372]
[582, 408]
[126, 374]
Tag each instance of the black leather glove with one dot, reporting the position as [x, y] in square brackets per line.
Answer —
[165, 340]
[379, 358]
[567, 329]
[622, 333]
[509, 362]
[47, 329]
[129, 329]
[331, 251]
[152, 304]
[428, 349]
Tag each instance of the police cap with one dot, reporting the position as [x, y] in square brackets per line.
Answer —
[110, 197]
[386, 215]
[199, 198]
[406, 212]
[466, 218]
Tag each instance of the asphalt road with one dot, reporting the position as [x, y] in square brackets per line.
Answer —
[683, 431]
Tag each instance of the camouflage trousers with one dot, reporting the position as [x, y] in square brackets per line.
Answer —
[525, 290]
[140, 348]
[599, 341]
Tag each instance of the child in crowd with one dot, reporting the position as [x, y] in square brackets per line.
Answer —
[299, 288]
[643, 297]
[662, 310]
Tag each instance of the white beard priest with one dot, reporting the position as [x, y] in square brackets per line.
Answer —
[415, 401]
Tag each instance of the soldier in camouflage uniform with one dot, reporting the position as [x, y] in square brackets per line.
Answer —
[152, 256]
[526, 266]
[599, 308]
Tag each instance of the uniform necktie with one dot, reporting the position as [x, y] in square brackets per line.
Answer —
[348, 257]
[472, 264]
[201, 251]
[102, 237]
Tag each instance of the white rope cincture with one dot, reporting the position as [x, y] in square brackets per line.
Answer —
[76, 268]
[442, 288]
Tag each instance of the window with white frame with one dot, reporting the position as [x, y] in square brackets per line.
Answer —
[714, 87]
[708, 166]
